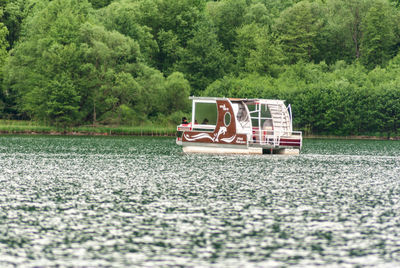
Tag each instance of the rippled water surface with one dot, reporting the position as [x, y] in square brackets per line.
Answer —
[132, 201]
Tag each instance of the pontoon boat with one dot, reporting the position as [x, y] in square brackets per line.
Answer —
[244, 126]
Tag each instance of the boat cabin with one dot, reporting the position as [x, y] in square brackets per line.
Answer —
[230, 125]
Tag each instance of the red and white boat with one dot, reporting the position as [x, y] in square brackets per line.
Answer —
[245, 126]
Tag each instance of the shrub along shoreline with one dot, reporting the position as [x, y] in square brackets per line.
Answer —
[30, 127]
[34, 128]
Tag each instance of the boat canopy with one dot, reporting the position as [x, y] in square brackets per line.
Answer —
[250, 114]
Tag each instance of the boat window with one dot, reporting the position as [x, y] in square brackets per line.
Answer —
[266, 118]
[241, 114]
[260, 115]
[251, 107]
[265, 112]
[227, 119]
[206, 113]
[254, 122]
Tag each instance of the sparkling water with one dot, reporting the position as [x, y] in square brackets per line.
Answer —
[139, 201]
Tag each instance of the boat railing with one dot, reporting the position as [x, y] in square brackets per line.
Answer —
[184, 127]
[299, 136]
[195, 127]
[202, 127]
[273, 138]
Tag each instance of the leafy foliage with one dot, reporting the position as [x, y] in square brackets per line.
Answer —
[70, 62]
[298, 28]
[379, 35]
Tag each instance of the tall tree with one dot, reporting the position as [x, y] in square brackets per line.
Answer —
[3, 58]
[257, 13]
[343, 30]
[356, 12]
[177, 93]
[227, 16]
[334, 41]
[123, 16]
[47, 56]
[378, 40]
[171, 22]
[64, 64]
[3, 47]
[204, 59]
[298, 28]
[109, 61]
[14, 15]
[258, 50]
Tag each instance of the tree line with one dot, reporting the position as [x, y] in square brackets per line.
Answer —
[75, 62]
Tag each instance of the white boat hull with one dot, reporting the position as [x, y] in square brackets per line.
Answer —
[201, 149]
[219, 150]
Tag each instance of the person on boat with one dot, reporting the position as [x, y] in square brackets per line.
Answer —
[184, 121]
[205, 121]
[268, 126]
[268, 130]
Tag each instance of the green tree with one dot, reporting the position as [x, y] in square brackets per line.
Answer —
[258, 50]
[245, 44]
[118, 100]
[388, 108]
[57, 102]
[170, 50]
[171, 23]
[247, 86]
[336, 100]
[110, 61]
[395, 2]
[204, 60]
[177, 93]
[3, 47]
[3, 58]
[257, 13]
[341, 32]
[64, 62]
[378, 40]
[14, 14]
[123, 16]
[275, 8]
[334, 41]
[386, 84]
[354, 17]
[47, 52]
[298, 27]
[227, 16]
[152, 91]
[100, 3]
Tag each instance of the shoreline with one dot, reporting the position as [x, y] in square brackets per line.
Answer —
[351, 137]
[88, 133]
[32, 128]
[22, 127]
[159, 132]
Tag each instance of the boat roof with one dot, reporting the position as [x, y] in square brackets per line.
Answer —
[266, 101]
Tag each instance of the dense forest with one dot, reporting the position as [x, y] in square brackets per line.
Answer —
[130, 62]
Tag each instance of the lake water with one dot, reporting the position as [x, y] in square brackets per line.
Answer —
[138, 201]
